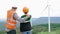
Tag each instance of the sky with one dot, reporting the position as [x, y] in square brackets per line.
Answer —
[37, 8]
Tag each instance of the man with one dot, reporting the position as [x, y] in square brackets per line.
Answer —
[25, 27]
[11, 21]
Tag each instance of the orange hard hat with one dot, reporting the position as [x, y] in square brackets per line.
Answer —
[25, 9]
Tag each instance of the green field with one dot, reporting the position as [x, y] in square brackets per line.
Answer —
[41, 29]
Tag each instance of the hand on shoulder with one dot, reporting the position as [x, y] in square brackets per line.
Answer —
[28, 16]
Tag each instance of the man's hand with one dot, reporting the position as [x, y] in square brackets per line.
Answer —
[27, 16]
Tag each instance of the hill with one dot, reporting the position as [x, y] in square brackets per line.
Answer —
[44, 20]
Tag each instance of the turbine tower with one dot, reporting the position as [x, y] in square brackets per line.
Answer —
[48, 15]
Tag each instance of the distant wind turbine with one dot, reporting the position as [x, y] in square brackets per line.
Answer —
[47, 7]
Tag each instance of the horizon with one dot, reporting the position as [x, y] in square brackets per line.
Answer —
[34, 18]
[38, 17]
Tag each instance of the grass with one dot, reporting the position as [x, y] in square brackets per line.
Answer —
[43, 29]
[52, 32]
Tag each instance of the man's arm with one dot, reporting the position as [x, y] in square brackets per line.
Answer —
[28, 17]
[18, 18]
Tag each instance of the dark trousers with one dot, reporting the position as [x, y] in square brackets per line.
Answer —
[12, 32]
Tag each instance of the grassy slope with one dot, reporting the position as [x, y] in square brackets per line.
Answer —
[42, 29]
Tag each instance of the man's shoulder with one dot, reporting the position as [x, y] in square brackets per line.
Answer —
[9, 11]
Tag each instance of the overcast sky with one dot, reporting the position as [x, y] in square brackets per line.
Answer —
[36, 7]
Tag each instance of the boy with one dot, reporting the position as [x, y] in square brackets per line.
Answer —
[25, 27]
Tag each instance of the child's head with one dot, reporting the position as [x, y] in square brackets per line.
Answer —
[25, 10]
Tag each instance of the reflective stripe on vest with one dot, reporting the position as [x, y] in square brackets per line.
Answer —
[10, 19]
[11, 24]
[27, 21]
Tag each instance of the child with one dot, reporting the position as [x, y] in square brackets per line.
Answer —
[25, 28]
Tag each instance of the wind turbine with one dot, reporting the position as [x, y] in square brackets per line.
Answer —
[47, 7]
